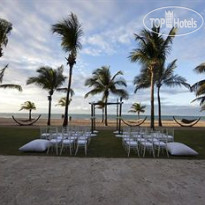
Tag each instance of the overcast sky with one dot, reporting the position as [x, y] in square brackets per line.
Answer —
[108, 39]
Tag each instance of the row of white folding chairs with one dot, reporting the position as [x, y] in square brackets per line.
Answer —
[44, 131]
[153, 141]
[166, 133]
[76, 140]
[66, 138]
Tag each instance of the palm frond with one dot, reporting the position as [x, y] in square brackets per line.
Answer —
[202, 108]
[201, 99]
[70, 31]
[142, 81]
[5, 29]
[28, 105]
[200, 90]
[93, 92]
[168, 41]
[62, 102]
[2, 72]
[72, 93]
[200, 68]
[48, 78]
[11, 86]
[120, 82]
[176, 80]
[196, 85]
[101, 104]
[133, 111]
[118, 73]
[120, 92]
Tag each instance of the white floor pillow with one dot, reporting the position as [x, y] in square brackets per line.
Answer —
[38, 145]
[176, 148]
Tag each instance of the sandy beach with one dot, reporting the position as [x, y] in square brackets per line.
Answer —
[93, 181]
[82, 122]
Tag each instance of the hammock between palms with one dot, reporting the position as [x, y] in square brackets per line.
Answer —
[25, 123]
[134, 124]
[186, 123]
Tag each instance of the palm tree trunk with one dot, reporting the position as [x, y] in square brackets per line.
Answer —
[30, 115]
[65, 122]
[159, 108]
[152, 99]
[106, 112]
[103, 114]
[49, 110]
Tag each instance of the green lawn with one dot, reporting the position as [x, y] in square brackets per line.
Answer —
[105, 145]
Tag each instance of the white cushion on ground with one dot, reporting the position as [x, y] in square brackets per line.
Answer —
[118, 135]
[176, 148]
[39, 145]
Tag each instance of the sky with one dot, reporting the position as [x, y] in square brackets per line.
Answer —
[109, 27]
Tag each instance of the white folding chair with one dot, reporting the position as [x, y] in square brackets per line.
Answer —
[131, 144]
[170, 135]
[44, 134]
[67, 142]
[147, 144]
[55, 140]
[161, 145]
[82, 142]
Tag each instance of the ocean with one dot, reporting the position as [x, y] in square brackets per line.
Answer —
[98, 116]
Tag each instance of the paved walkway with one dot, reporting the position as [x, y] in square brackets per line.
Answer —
[91, 181]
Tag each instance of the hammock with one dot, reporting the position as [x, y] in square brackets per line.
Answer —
[26, 123]
[186, 123]
[134, 125]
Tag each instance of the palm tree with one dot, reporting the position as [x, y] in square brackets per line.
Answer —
[151, 52]
[199, 87]
[11, 86]
[28, 105]
[70, 32]
[103, 82]
[163, 76]
[62, 101]
[5, 29]
[137, 108]
[166, 76]
[49, 79]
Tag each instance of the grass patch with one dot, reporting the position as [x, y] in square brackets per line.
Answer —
[104, 145]
[194, 139]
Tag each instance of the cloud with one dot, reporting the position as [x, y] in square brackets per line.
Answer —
[108, 38]
[109, 41]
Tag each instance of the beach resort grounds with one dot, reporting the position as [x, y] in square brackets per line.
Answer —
[105, 177]
[105, 145]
